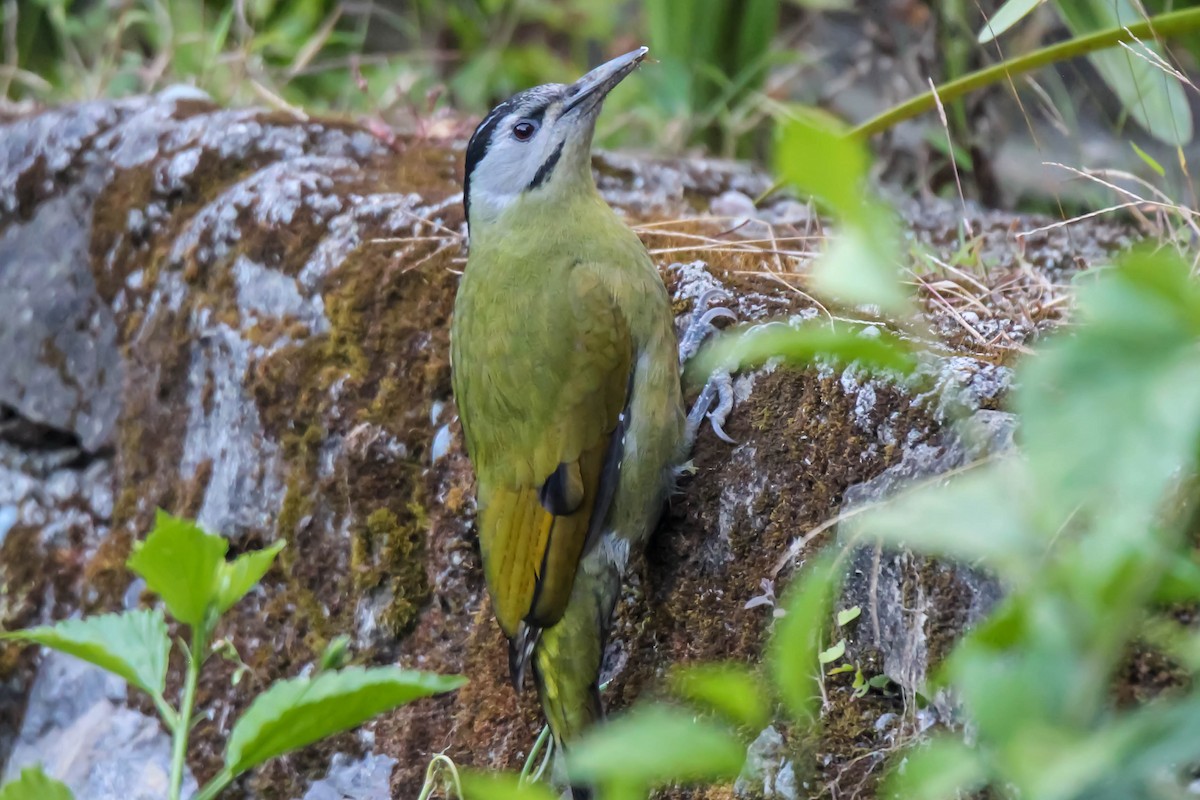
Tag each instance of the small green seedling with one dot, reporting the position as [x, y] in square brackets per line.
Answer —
[186, 567]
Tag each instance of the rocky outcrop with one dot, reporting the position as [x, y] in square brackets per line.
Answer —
[242, 317]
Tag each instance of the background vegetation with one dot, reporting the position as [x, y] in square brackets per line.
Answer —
[727, 68]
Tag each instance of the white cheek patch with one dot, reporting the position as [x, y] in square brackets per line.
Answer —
[505, 171]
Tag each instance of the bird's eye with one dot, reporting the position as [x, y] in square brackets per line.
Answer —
[524, 130]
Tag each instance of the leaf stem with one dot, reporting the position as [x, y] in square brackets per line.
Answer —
[165, 711]
[183, 721]
[1159, 27]
[216, 785]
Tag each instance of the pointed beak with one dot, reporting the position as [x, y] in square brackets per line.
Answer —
[589, 90]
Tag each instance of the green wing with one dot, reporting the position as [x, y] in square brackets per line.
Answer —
[540, 389]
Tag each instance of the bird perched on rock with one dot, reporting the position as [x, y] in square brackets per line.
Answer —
[566, 377]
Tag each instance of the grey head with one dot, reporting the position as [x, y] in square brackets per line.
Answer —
[536, 137]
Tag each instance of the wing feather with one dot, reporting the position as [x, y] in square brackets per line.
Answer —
[545, 473]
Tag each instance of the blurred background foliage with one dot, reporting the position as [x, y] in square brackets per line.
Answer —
[726, 70]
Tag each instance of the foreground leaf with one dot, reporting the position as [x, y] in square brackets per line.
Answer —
[133, 645]
[297, 712]
[33, 784]
[180, 562]
[943, 769]
[240, 575]
[503, 786]
[817, 157]
[1135, 377]
[731, 690]
[872, 348]
[792, 653]
[978, 516]
[654, 745]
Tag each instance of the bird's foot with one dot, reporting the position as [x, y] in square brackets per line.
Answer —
[701, 326]
[715, 402]
[716, 398]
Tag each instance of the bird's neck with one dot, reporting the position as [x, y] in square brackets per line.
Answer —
[566, 210]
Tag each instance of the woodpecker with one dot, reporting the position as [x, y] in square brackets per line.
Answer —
[566, 377]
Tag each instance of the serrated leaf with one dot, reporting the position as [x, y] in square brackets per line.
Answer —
[792, 652]
[240, 575]
[654, 745]
[1152, 96]
[181, 563]
[731, 690]
[33, 784]
[299, 711]
[502, 786]
[1005, 17]
[833, 653]
[848, 615]
[133, 644]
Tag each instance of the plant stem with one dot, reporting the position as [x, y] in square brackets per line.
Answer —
[214, 786]
[183, 723]
[1159, 27]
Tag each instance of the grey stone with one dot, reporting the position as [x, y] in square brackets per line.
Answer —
[59, 363]
[912, 605]
[365, 778]
[81, 732]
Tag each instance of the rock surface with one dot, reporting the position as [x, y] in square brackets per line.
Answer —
[242, 317]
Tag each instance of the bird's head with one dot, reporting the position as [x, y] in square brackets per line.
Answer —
[539, 141]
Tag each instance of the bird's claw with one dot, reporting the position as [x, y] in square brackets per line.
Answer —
[700, 326]
[714, 404]
[716, 398]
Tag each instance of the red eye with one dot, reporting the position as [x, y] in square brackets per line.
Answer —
[524, 130]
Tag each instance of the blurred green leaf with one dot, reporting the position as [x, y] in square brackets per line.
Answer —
[33, 784]
[979, 516]
[730, 689]
[860, 268]
[1152, 96]
[180, 563]
[742, 348]
[239, 576]
[943, 769]
[792, 652]
[1005, 17]
[503, 786]
[816, 156]
[848, 615]
[1019, 670]
[653, 745]
[297, 712]
[1110, 416]
[133, 645]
